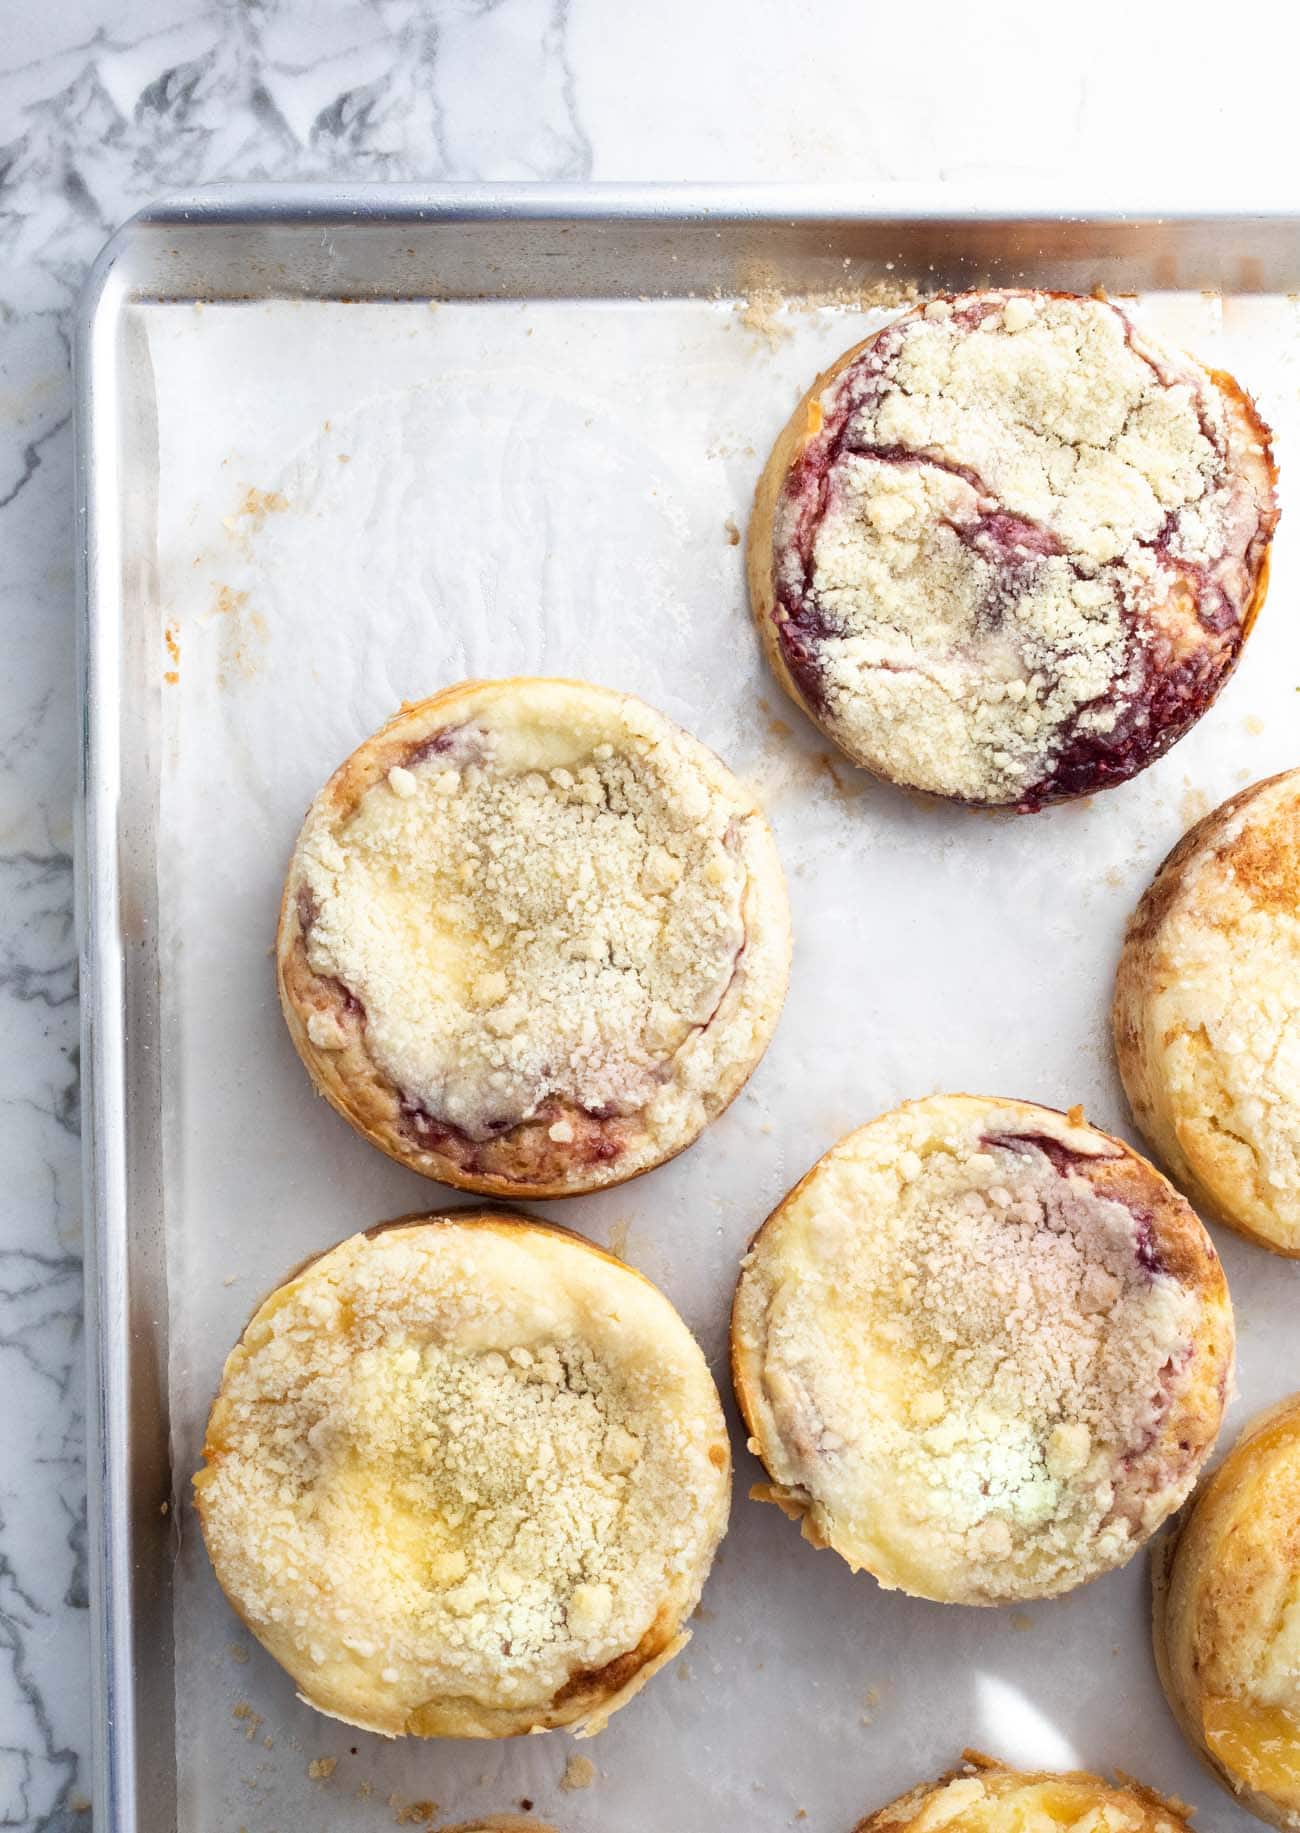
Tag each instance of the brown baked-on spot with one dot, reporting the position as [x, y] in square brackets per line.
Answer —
[604, 1682]
[1264, 860]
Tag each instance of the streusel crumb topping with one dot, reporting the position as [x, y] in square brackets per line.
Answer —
[462, 1463]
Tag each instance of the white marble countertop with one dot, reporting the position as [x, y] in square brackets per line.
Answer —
[104, 106]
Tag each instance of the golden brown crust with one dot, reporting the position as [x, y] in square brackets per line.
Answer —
[527, 1161]
[588, 1695]
[784, 1436]
[1225, 1593]
[1209, 960]
[983, 1793]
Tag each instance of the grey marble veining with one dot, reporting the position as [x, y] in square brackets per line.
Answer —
[102, 108]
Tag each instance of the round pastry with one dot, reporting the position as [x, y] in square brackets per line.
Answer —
[1008, 548]
[986, 1797]
[1207, 1013]
[1227, 1619]
[464, 1477]
[982, 1350]
[533, 938]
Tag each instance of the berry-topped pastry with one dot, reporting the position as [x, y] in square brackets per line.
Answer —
[982, 1350]
[534, 937]
[1008, 548]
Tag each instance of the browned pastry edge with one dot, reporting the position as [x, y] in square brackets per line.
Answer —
[524, 1163]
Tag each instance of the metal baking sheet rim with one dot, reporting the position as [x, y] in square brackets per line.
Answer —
[126, 1325]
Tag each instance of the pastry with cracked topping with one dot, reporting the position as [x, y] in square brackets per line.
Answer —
[1008, 549]
[464, 1477]
[1227, 1619]
[1207, 1013]
[982, 1350]
[534, 937]
[984, 1796]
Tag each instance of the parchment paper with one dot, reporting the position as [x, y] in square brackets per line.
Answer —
[361, 503]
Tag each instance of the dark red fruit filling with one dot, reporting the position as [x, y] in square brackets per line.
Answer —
[1161, 700]
[1064, 1161]
[1147, 1252]
[308, 910]
[460, 744]
[348, 999]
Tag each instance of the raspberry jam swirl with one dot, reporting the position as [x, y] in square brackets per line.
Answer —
[1015, 547]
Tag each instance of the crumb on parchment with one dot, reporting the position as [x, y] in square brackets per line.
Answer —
[579, 1772]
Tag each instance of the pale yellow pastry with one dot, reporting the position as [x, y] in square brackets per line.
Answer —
[1207, 1013]
[533, 937]
[986, 1797]
[464, 1477]
[1227, 1619]
[982, 1350]
[1008, 548]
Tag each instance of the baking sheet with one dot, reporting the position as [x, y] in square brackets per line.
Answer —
[359, 503]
